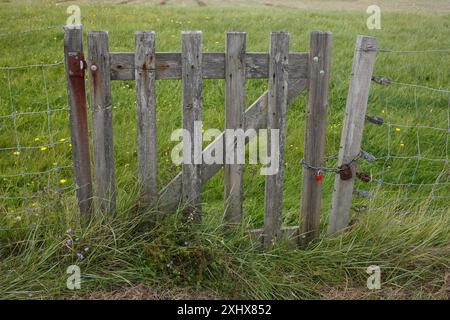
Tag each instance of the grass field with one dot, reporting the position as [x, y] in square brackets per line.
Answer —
[402, 229]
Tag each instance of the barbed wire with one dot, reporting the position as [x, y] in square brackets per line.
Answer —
[444, 50]
[28, 66]
[17, 114]
[26, 31]
[419, 86]
[46, 146]
[37, 195]
[35, 173]
[384, 80]
[419, 157]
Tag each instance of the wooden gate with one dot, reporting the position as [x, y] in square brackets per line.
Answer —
[288, 75]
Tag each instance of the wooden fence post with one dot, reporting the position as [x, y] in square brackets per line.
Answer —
[76, 94]
[316, 119]
[276, 119]
[101, 104]
[191, 78]
[145, 75]
[350, 145]
[234, 119]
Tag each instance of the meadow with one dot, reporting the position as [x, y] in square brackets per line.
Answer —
[403, 226]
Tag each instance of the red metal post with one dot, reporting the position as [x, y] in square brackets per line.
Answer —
[76, 93]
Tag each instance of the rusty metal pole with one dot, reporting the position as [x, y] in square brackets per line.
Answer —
[76, 94]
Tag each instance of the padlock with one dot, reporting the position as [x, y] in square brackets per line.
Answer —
[318, 176]
[345, 172]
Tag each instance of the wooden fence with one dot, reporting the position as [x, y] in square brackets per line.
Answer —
[288, 74]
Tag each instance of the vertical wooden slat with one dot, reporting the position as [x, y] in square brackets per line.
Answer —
[145, 73]
[99, 78]
[276, 119]
[234, 119]
[350, 145]
[191, 61]
[76, 94]
[316, 119]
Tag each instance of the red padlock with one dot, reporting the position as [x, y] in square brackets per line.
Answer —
[319, 176]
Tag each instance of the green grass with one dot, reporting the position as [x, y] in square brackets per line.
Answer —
[408, 239]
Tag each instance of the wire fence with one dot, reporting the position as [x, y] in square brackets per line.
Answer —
[27, 31]
[414, 160]
[35, 155]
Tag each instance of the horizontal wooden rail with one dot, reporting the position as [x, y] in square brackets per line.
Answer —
[168, 66]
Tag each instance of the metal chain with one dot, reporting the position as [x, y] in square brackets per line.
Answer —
[329, 169]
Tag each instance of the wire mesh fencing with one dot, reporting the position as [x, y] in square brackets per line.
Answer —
[413, 120]
[35, 149]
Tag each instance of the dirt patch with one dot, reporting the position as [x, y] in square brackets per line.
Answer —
[390, 293]
[364, 294]
[143, 292]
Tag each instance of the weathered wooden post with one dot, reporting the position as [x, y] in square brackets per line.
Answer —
[316, 121]
[145, 75]
[191, 79]
[76, 94]
[102, 134]
[350, 145]
[234, 119]
[276, 120]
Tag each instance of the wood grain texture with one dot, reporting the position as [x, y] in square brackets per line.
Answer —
[350, 145]
[255, 118]
[102, 134]
[316, 121]
[76, 94]
[234, 119]
[276, 119]
[168, 66]
[191, 82]
[146, 116]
